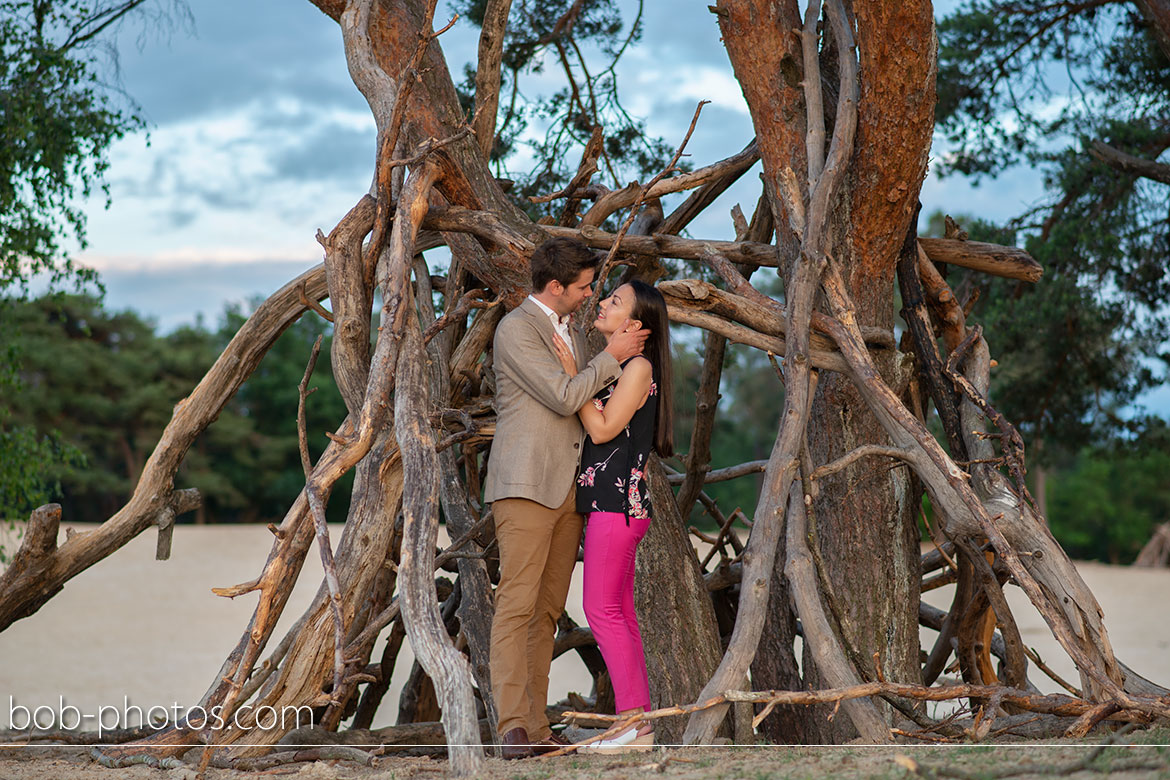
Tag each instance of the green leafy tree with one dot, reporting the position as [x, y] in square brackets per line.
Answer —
[58, 119]
[105, 382]
[1064, 377]
[260, 439]
[1069, 361]
[24, 455]
[96, 388]
[1108, 500]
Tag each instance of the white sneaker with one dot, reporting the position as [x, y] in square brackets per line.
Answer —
[627, 741]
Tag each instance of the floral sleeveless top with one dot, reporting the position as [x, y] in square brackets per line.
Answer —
[612, 477]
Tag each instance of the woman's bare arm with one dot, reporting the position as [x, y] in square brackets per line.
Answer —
[604, 421]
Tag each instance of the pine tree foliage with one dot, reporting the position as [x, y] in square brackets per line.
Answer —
[1047, 86]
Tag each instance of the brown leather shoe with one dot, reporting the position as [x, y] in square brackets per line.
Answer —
[515, 744]
[549, 744]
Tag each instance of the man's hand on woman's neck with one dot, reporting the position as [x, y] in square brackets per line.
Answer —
[626, 343]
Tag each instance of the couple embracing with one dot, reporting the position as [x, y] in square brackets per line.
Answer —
[572, 439]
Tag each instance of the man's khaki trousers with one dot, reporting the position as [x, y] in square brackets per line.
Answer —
[538, 549]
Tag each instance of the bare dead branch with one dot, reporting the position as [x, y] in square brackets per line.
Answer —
[917, 318]
[484, 224]
[662, 245]
[431, 145]
[851, 457]
[1129, 164]
[585, 170]
[388, 138]
[270, 664]
[472, 299]
[24, 588]
[1015, 666]
[1034, 657]
[706, 401]
[1056, 704]
[724, 474]
[627, 196]
[487, 74]
[718, 542]
[736, 166]
[748, 295]
[740, 334]
[321, 311]
[590, 307]
[995, 259]
[815, 110]
[424, 625]
[40, 535]
[351, 299]
[303, 392]
[844, 129]
[479, 431]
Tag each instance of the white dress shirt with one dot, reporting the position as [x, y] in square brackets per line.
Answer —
[560, 324]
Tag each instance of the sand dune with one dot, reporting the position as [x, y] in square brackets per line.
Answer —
[150, 633]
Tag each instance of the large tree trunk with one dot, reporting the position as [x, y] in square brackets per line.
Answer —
[775, 666]
[674, 610]
[867, 534]
[866, 514]
[862, 523]
[381, 40]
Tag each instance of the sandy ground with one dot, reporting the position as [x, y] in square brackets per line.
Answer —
[1145, 761]
[136, 632]
[133, 632]
[1134, 602]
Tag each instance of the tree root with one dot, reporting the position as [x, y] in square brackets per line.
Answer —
[284, 757]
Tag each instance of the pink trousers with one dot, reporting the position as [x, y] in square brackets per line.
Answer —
[610, 546]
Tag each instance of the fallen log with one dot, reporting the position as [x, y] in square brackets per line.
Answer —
[1007, 261]
[1049, 704]
[660, 245]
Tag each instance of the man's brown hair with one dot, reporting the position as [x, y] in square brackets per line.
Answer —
[562, 259]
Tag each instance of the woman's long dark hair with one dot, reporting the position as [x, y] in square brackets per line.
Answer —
[650, 308]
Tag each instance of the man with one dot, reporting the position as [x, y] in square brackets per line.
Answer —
[531, 482]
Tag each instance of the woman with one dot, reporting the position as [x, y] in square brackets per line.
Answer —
[623, 421]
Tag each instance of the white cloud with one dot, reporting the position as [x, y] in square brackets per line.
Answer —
[703, 82]
[213, 259]
[231, 186]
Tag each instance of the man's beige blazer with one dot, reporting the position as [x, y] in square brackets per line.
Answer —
[537, 445]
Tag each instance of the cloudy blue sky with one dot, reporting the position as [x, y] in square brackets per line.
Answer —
[258, 138]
